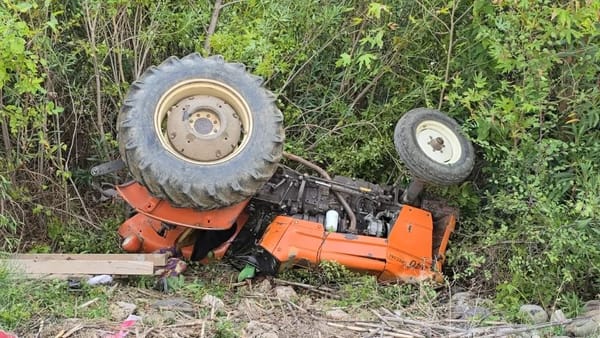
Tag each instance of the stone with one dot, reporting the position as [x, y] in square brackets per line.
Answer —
[120, 310]
[337, 314]
[169, 316]
[591, 305]
[174, 304]
[264, 286]
[211, 301]
[285, 293]
[583, 327]
[464, 306]
[476, 312]
[534, 313]
[256, 329]
[153, 319]
[461, 297]
[558, 316]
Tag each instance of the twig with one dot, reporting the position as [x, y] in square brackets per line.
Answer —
[194, 323]
[147, 332]
[425, 324]
[392, 328]
[88, 303]
[380, 317]
[73, 330]
[213, 25]
[320, 290]
[530, 328]
[349, 327]
[40, 328]
[367, 88]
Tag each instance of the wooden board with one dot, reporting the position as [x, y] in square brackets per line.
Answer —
[79, 267]
[156, 259]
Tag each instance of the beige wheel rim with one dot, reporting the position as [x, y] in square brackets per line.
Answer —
[203, 121]
[438, 142]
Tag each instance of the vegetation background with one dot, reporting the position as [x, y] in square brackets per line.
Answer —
[522, 76]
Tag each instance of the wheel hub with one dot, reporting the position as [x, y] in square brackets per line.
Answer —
[438, 142]
[203, 128]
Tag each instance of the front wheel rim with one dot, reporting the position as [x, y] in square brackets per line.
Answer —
[438, 142]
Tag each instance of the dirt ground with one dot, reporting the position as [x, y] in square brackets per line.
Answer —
[211, 303]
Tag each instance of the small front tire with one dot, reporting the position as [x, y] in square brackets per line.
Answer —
[433, 148]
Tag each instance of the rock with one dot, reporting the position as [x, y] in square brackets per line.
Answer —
[534, 313]
[174, 304]
[475, 312]
[591, 305]
[256, 329]
[558, 316]
[336, 314]
[285, 293]
[464, 306]
[212, 302]
[120, 310]
[169, 316]
[461, 297]
[583, 327]
[532, 334]
[264, 286]
[153, 319]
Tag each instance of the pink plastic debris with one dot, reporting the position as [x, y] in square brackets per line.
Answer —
[6, 335]
[124, 329]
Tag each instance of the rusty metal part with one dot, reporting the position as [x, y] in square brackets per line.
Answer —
[322, 172]
[203, 121]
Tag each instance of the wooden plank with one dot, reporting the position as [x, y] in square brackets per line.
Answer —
[156, 259]
[108, 267]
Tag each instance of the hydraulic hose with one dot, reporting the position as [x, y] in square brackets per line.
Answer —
[325, 175]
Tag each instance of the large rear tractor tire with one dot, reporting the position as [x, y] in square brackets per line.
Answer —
[200, 132]
[433, 148]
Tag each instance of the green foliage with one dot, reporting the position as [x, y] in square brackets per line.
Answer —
[521, 76]
[534, 118]
[21, 300]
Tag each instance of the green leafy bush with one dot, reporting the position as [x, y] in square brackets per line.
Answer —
[522, 77]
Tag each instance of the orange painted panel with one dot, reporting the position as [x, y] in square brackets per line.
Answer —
[362, 253]
[409, 255]
[293, 241]
[145, 238]
[219, 219]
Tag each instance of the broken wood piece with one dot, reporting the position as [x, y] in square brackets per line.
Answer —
[67, 267]
[156, 259]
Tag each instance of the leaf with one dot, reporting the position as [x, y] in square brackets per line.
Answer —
[23, 6]
[248, 272]
[365, 60]
[375, 10]
[344, 60]
[356, 21]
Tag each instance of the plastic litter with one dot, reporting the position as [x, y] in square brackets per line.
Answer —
[6, 335]
[100, 280]
[124, 329]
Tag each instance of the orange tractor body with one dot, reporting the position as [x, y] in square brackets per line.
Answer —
[413, 250]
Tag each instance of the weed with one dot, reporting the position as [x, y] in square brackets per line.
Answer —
[21, 300]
